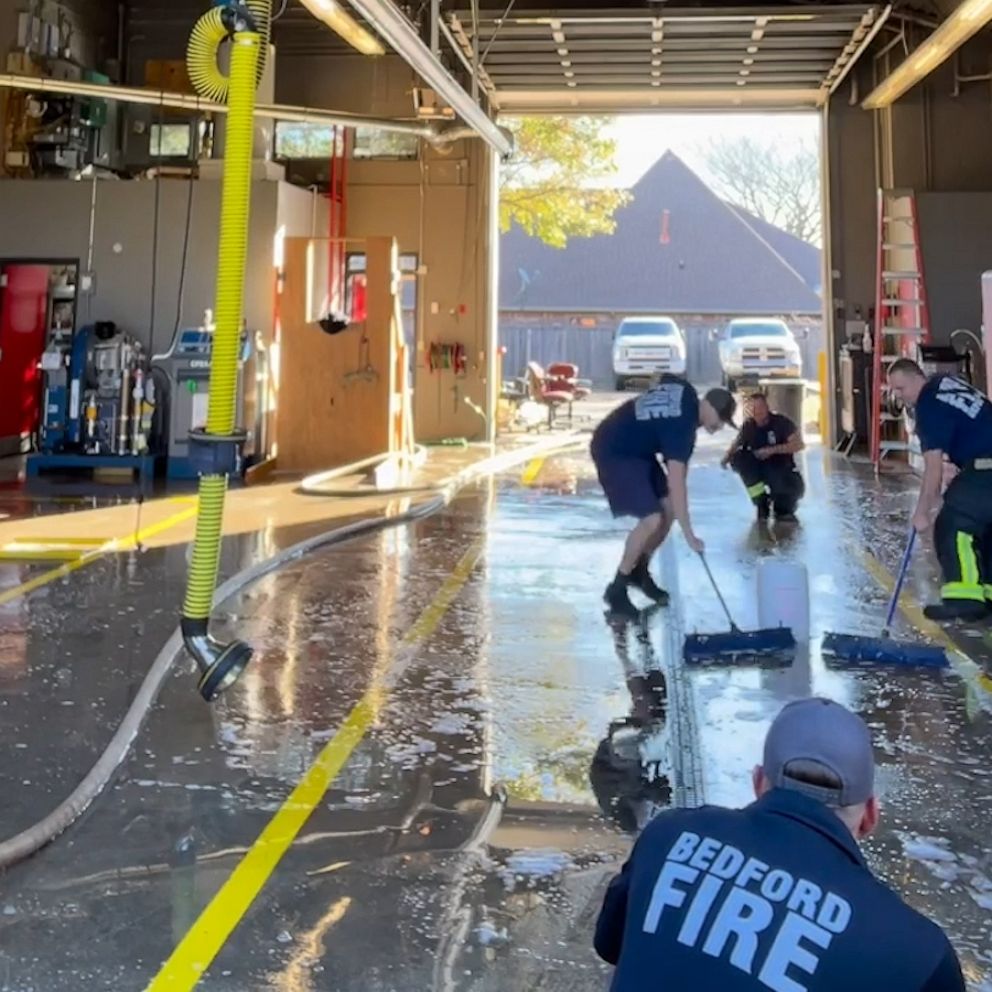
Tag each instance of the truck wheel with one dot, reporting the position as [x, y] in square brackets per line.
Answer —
[621, 384]
[729, 383]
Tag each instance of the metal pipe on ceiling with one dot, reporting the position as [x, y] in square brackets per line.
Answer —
[397, 31]
[182, 101]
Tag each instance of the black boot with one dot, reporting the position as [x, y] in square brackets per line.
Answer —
[956, 609]
[617, 599]
[641, 579]
[764, 507]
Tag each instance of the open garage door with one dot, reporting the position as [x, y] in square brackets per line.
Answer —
[630, 59]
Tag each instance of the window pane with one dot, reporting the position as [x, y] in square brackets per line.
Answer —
[302, 141]
[370, 142]
[169, 140]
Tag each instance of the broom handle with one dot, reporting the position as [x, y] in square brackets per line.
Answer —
[901, 578]
[716, 589]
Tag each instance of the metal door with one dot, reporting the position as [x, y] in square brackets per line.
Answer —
[24, 294]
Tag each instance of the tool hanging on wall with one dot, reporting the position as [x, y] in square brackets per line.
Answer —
[366, 371]
[452, 357]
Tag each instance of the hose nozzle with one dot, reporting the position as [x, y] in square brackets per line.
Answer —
[220, 664]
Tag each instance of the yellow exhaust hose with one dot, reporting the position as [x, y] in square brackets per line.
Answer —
[209, 32]
[215, 450]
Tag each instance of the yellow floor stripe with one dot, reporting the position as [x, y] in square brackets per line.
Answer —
[532, 470]
[114, 544]
[204, 940]
[969, 670]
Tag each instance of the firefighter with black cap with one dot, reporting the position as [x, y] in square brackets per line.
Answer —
[628, 448]
[953, 419]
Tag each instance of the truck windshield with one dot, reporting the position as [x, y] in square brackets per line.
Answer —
[646, 328]
[758, 330]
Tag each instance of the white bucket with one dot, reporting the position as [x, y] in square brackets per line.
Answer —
[783, 596]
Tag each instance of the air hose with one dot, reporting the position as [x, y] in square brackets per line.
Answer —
[210, 32]
[215, 451]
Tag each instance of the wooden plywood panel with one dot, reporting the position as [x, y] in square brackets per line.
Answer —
[334, 398]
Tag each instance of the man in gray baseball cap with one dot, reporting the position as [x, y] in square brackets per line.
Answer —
[776, 895]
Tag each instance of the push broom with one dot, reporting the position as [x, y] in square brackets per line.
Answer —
[736, 645]
[884, 650]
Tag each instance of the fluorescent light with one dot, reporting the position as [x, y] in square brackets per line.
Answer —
[345, 26]
[966, 21]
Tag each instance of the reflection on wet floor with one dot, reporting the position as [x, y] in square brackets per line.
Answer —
[511, 758]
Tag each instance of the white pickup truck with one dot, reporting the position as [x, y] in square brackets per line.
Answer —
[644, 347]
[758, 346]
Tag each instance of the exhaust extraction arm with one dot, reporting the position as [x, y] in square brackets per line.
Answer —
[214, 450]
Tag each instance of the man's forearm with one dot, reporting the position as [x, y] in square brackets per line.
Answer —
[680, 498]
[793, 446]
[929, 495]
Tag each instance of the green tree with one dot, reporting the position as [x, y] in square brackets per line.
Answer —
[556, 185]
[781, 185]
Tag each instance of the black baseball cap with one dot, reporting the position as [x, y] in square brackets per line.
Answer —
[722, 400]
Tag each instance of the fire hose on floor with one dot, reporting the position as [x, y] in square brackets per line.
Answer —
[35, 837]
[214, 450]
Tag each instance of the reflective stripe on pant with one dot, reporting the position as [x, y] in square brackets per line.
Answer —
[775, 479]
[961, 534]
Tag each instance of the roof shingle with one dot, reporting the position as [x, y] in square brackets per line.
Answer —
[677, 248]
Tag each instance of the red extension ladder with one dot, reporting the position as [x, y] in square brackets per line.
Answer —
[902, 316]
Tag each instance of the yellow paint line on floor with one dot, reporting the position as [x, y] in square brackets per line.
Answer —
[970, 671]
[107, 547]
[532, 470]
[204, 940]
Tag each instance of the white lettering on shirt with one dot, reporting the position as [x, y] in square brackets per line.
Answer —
[662, 402]
[762, 920]
[787, 951]
[960, 395]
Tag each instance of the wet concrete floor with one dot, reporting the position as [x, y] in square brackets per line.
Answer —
[514, 741]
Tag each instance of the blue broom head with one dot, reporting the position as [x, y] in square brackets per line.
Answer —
[774, 645]
[882, 651]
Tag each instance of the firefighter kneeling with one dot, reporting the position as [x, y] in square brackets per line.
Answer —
[763, 455]
[953, 419]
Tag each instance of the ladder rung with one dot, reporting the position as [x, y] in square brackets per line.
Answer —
[902, 303]
[895, 446]
[900, 275]
[903, 331]
[889, 359]
[890, 418]
[892, 246]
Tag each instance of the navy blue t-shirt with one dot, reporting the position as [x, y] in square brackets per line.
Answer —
[955, 418]
[663, 421]
[776, 430]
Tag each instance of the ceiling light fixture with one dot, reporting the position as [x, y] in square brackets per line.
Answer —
[345, 26]
[966, 21]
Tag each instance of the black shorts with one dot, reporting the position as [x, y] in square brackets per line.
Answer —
[634, 487]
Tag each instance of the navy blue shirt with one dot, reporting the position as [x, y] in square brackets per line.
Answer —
[663, 421]
[777, 429]
[955, 418]
[775, 896]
